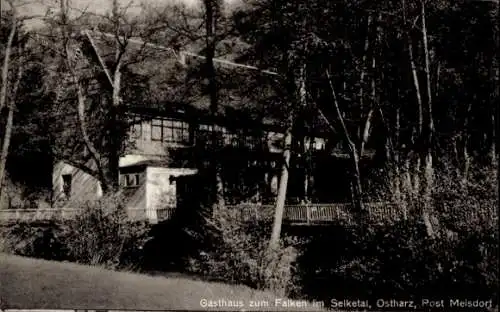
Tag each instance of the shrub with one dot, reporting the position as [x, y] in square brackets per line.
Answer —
[102, 234]
[399, 261]
[238, 253]
[33, 239]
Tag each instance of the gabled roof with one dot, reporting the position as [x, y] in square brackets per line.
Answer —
[175, 81]
[147, 163]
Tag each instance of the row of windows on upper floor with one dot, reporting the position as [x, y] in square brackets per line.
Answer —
[179, 132]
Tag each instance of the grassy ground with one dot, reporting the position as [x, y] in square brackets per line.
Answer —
[33, 283]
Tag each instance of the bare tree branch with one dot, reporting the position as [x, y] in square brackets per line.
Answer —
[8, 51]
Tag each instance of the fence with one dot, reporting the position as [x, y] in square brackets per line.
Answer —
[379, 212]
[322, 213]
[299, 214]
[7, 215]
[165, 213]
[36, 214]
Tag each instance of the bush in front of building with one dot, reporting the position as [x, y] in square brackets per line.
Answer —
[100, 234]
[37, 239]
[400, 261]
[236, 251]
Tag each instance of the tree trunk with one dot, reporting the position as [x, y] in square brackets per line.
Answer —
[82, 123]
[305, 163]
[300, 86]
[95, 155]
[416, 85]
[493, 149]
[309, 170]
[5, 146]
[366, 133]
[3, 97]
[428, 163]
[464, 138]
[496, 84]
[6, 60]
[425, 151]
[357, 195]
[407, 183]
[398, 195]
[212, 11]
[363, 71]
[116, 126]
[8, 127]
[283, 183]
[357, 191]
[302, 137]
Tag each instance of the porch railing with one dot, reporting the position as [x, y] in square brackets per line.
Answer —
[7, 215]
[37, 214]
[303, 214]
[379, 212]
[322, 213]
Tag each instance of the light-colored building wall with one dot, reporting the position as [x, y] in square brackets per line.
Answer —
[83, 185]
[136, 202]
[132, 159]
[161, 190]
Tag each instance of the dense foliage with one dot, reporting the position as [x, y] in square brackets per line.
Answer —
[400, 262]
[409, 80]
[101, 234]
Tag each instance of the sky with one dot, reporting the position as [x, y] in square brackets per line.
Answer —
[40, 7]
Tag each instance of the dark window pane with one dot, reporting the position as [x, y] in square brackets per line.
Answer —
[67, 185]
[130, 180]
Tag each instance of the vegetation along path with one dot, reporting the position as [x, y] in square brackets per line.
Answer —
[33, 283]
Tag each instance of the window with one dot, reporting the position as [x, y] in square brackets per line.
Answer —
[205, 133]
[230, 138]
[66, 179]
[136, 130]
[168, 130]
[131, 179]
[252, 142]
[253, 163]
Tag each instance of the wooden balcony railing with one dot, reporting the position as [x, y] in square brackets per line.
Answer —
[302, 214]
[7, 215]
[322, 213]
[165, 213]
[36, 214]
[378, 212]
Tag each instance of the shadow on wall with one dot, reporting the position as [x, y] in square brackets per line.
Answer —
[173, 240]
